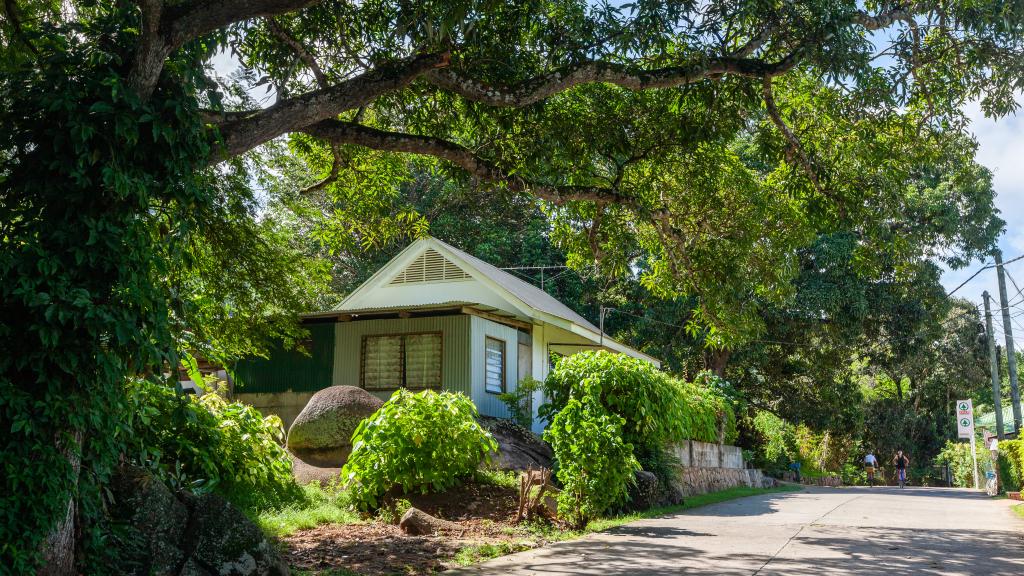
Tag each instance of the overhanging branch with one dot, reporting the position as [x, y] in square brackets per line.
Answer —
[241, 133]
[630, 77]
[339, 132]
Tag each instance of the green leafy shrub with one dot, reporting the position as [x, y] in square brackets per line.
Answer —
[655, 407]
[958, 456]
[418, 441]
[1011, 464]
[595, 465]
[209, 443]
[520, 401]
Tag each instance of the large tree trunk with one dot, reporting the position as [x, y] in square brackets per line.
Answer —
[59, 547]
[716, 360]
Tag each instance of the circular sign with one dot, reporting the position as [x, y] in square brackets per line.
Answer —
[963, 405]
[964, 422]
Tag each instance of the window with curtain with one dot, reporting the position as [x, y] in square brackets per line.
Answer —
[494, 365]
[397, 361]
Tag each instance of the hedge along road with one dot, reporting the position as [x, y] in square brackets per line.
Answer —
[815, 531]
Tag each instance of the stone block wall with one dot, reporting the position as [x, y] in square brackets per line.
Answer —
[693, 454]
[707, 467]
[694, 481]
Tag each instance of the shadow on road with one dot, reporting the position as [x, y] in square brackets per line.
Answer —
[820, 550]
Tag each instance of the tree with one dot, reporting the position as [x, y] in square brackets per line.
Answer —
[119, 155]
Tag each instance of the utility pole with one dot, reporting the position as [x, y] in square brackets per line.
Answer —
[997, 394]
[1011, 356]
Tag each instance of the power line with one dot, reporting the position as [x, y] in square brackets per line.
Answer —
[982, 269]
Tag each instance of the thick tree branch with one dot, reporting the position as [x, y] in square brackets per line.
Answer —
[191, 20]
[165, 28]
[243, 133]
[883, 20]
[339, 132]
[632, 78]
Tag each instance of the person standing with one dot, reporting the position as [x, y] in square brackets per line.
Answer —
[901, 462]
[870, 464]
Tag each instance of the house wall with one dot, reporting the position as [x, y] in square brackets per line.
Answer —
[489, 404]
[456, 373]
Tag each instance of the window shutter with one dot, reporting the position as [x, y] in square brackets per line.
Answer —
[494, 365]
[423, 361]
[382, 362]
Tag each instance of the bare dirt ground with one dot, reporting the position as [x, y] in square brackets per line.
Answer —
[376, 548]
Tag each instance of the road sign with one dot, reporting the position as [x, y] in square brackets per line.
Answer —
[965, 429]
[964, 419]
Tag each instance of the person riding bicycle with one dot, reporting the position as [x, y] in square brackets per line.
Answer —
[870, 464]
[901, 463]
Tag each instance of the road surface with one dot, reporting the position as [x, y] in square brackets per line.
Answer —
[816, 531]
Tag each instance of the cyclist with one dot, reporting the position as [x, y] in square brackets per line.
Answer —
[870, 464]
[901, 463]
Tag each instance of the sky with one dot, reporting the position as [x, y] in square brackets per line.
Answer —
[1001, 150]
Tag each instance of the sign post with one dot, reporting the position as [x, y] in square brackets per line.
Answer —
[965, 429]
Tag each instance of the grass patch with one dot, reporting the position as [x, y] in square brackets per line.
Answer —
[321, 506]
[504, 479]
[1019, 511]
[476, 553]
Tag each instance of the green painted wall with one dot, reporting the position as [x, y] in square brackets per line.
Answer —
[455, 368]
[291, 370]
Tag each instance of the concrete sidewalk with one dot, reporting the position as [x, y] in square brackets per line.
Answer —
[816, 531]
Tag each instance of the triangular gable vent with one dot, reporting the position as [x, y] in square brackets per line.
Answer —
[430, 266]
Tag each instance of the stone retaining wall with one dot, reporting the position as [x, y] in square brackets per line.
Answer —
[693, 454]
[707, 467]
[703, 480]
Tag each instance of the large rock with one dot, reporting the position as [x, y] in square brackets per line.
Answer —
[322, 433]
[159, 533]
[227, 543]
[644, 492]
[518, 448]
[150, 523]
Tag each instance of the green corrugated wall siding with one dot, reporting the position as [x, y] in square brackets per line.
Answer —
[455, 368]
[289, 369]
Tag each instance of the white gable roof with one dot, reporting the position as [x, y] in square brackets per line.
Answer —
[430, 272]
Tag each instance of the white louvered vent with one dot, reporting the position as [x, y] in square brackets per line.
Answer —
[430, 266]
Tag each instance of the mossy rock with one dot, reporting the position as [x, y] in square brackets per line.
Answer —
[227, 543]
[150, 523]
[322, 433]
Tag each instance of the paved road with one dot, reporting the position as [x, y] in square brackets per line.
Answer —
[816, 531]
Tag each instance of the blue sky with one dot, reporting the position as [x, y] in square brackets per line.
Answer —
[1001, 149]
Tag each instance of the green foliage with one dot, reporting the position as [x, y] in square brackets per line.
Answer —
[318, 505]
[780, 442]
[520, 401]
[656, 409]
[208, 443]
[1011, 465]
[418, 441]
[958, 456]
[595, 464]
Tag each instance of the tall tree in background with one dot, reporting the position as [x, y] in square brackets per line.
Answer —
[126, 169]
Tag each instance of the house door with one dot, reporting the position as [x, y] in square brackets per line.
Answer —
[525, 367]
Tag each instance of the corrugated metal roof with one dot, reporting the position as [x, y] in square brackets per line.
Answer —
[528, 293]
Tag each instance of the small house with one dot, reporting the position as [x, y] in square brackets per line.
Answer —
[434, 317]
